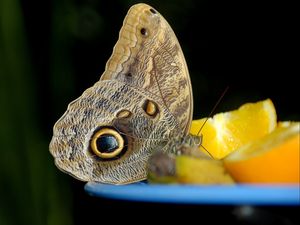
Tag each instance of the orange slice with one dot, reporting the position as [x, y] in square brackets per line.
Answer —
[271, 159]
[225, 132]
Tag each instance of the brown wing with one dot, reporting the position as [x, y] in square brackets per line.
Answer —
[143, 99]
[104, 106]
[148, 56]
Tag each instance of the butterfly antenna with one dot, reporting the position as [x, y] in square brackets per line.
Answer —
[213, 110]
[207, 151]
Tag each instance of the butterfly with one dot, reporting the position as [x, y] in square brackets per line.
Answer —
[143, 103]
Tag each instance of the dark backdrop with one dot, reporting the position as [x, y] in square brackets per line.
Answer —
[51, 51]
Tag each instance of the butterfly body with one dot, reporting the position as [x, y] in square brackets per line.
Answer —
[141, 104]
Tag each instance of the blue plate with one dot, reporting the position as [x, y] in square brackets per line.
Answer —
[199, 194]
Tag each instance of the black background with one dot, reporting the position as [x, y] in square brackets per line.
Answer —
[51, 51]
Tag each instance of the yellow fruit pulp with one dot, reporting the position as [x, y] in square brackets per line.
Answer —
[225, 132]
[193, 170]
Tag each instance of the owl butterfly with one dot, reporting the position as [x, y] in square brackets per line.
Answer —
[142, 104]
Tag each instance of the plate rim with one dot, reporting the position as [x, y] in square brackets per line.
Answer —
[238, 194]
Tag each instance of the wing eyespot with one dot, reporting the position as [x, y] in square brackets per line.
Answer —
[153, 11]
[144, 31]
[107, 143]
[124, 114]
[150, 108]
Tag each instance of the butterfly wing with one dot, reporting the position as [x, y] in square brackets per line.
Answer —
[142, 100]
[116, 106]
[148, 56]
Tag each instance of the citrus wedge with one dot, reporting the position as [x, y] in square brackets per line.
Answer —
[184, 169]
[271, 159]
[193, 170]
[225, 132]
